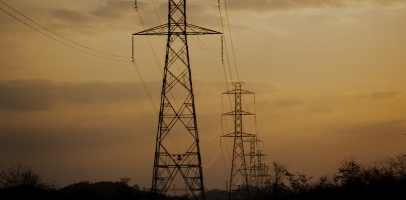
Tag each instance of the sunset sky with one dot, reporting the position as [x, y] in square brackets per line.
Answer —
[329, 78]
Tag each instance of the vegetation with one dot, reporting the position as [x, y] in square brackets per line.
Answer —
[22, 175]
[381, 180]
[20, 181]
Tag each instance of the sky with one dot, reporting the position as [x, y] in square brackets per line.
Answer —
[329, 79]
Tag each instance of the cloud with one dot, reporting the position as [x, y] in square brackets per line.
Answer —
[277, 5]
[98, 92]
[389, 2]
[372, 130]
[262, 86]
[91, 92]
[385, 95]
[71, 15]
[29, 95]
[43, 94]
[29, 138]
[320, 110]
[285, 103]
[116, 15]
[108, 11]
[91, 117]
[108, 14]
[111, 9]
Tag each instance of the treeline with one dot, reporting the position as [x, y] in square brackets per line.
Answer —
[384, 179]
[22, 182]
[81, 190]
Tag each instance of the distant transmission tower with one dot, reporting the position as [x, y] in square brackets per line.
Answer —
[262, 170]
[239, 182]
[253, 165]
[177, 149]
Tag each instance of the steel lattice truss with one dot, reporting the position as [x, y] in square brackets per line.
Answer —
[239, 185]
[177, 149]
[262, 169]
[253, 166]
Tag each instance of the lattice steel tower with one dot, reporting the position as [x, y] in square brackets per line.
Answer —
[239, 182]
[253, 165]
[177, 149]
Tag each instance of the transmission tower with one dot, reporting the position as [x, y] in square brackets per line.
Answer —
[253, 166]
[262, 177]
[262, 170]
[177, 151]
[239, 185]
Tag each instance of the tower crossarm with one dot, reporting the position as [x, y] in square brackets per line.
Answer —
[165, 29]
[238, 92]
[237, 135]
[238, 113]
[253, 140]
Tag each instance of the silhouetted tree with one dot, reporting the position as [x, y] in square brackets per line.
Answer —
[348, 173]
[21, 182]
[125, 180]
[381, 180]
[278, 174]
[397, 166]
[22, 175]
[136, 187]
[299, 182]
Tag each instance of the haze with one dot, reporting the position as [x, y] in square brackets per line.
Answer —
[329, 78]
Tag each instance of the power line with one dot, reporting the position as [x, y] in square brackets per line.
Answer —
[151, 101]
[149, 42]
[61, 41]
[61, 35]
[145, 87]
[231, 39]
[142, 79]
[157, 62]
[232, 44]
[156, 11]
[212, 161]
[134, 63]
[198, 39]
[209, 52]
[224, 67]
[153, 51]
[142, 23]
[224, 160]
[225, 44]
[154, 54]
[212, 136]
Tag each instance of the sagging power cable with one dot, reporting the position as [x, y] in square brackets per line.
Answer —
[151, 101]
[88, 48]
[212, 161]
[61, 41]
[231, 40]
[211, 137]
[157, 62]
